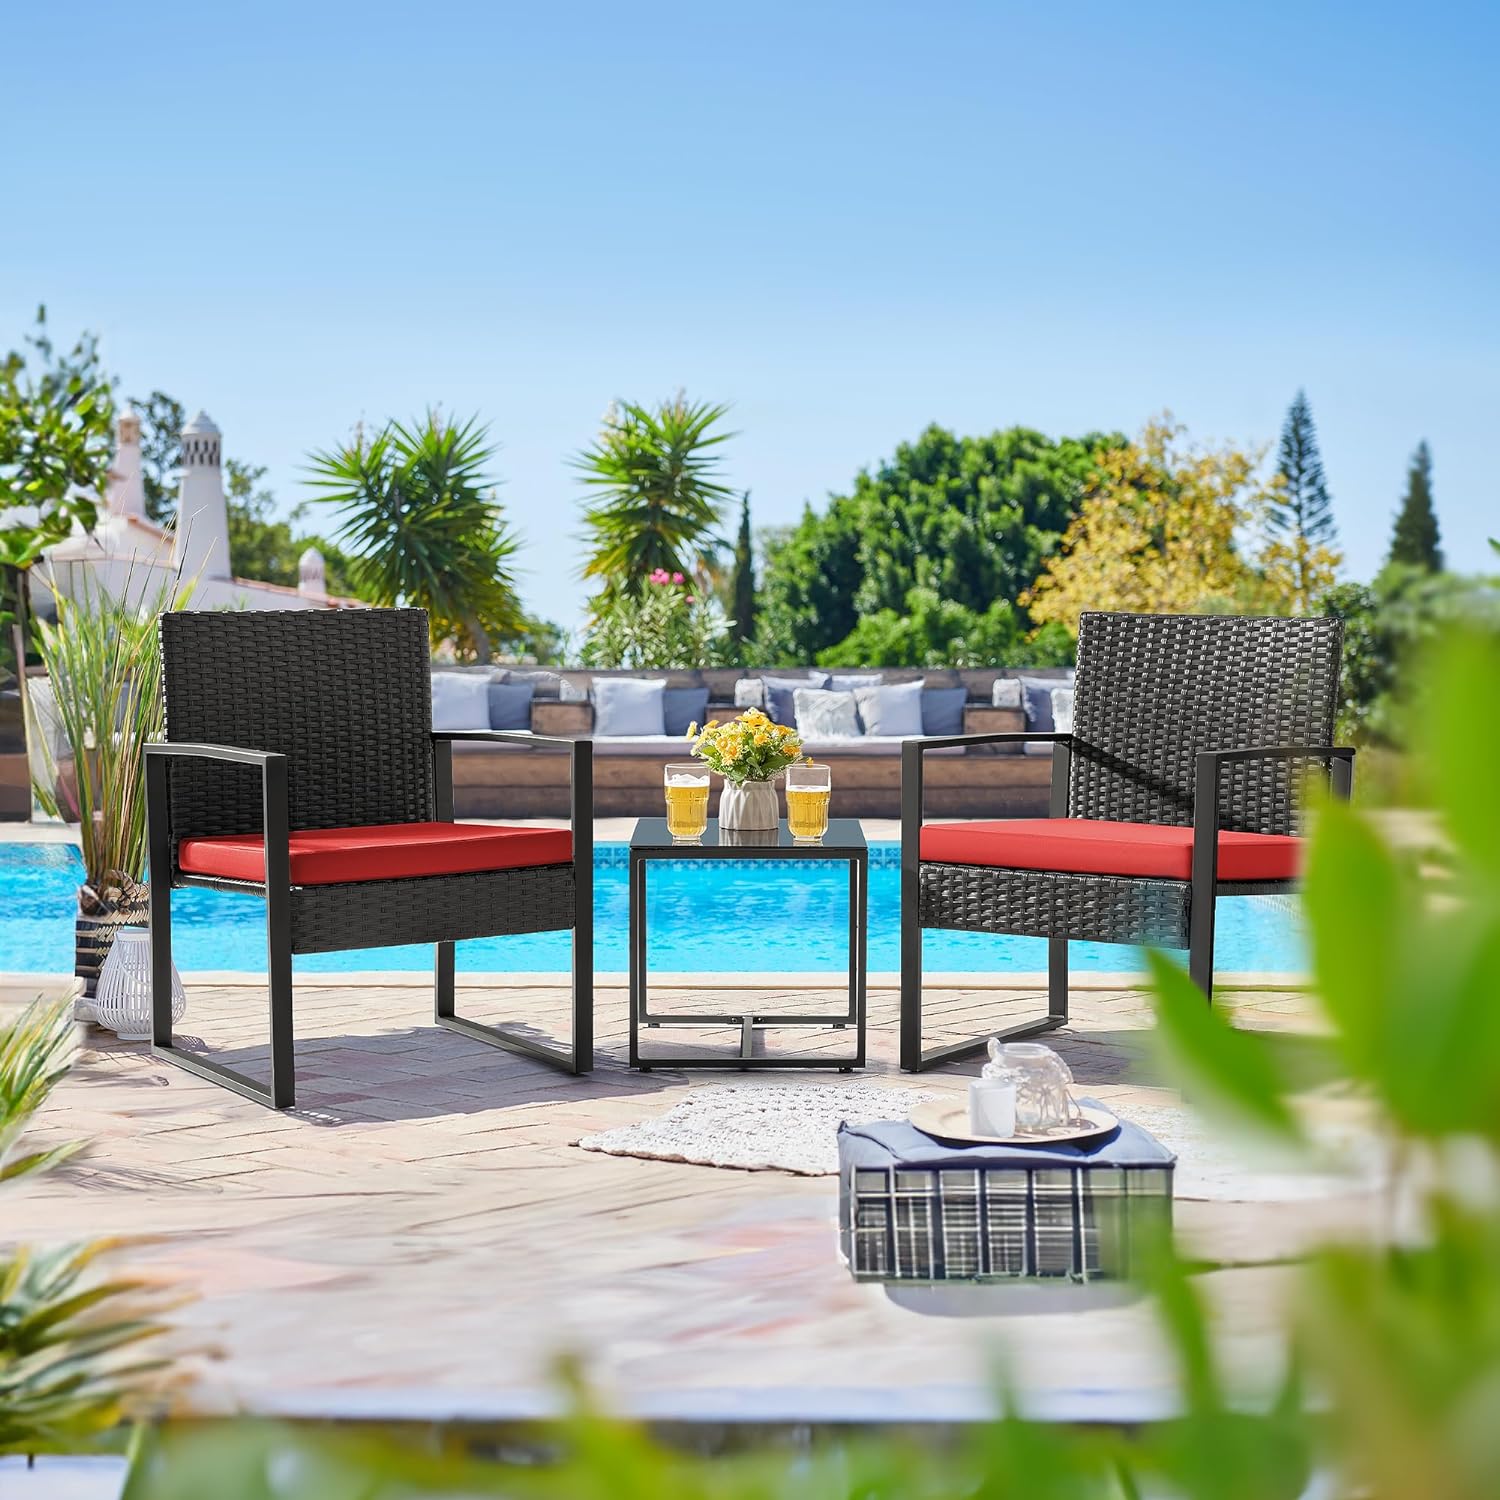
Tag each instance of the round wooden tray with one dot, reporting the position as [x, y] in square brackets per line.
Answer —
[948, 1120]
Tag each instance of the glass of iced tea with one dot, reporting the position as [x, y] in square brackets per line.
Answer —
[807, 791]
[687, 800]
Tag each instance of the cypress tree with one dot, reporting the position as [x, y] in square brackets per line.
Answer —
[742, 588]
[1303, 509]
[1415, 540]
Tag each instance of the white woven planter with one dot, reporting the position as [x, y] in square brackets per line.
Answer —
[122, 1002]
[749, 805]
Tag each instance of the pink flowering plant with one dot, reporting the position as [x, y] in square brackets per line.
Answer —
[670, 621]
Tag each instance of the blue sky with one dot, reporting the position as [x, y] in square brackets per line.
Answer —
[846, 220]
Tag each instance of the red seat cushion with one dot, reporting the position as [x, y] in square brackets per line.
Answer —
[1089, 846]
[383, 851]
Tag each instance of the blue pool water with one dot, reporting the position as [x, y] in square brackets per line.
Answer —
[714, 915]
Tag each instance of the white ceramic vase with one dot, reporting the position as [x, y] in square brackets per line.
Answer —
[122, 1002]
[749, 806]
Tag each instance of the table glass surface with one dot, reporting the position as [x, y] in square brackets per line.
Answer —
[844, 836]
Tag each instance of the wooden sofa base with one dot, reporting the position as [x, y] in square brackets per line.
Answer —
[503, 784]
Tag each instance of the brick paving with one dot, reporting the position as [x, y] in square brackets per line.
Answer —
[421, 1237]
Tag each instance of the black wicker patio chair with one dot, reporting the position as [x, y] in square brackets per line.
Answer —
[1174, 789]
[301, 766]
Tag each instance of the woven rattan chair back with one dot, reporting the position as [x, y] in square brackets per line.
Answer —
[345, 695]
[1153, 690]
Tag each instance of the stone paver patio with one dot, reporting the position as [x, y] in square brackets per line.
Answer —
[422, 1237]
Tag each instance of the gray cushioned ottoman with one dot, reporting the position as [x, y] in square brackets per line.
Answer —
[914, 1209]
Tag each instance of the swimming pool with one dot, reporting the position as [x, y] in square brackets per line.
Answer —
[795, 912]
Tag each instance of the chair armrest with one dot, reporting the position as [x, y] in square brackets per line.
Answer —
[511, 737]
[176, 749]
[1279, 752]
[580, 775]
[923, 743]
[1210, 765]
[275, 818]
[913, 749]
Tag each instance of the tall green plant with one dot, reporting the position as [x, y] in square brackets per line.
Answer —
[420, 517]
[36, 1050]
[1415, 541]
[105, 673]
[56, 416]
[742, 596]
[69, 1370]
[656, 502]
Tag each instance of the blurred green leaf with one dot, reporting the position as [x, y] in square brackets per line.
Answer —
[1356, 904]
[1227, 1072]
[1459, 734]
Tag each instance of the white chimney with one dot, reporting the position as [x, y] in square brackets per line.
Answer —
[125, 495]
[201, 545]
[312, 577]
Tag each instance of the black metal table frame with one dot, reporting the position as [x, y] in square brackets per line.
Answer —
[858, 860]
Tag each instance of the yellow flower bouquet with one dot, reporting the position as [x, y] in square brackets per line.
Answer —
[749, 748]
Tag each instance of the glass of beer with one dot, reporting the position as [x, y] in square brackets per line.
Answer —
[687, 800]
[807, 791]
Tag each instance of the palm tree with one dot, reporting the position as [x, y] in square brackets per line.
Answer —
[656, 500]
[424, 527]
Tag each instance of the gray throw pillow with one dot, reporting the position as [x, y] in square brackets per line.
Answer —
[460, 700]
[510, 705]
[894, 709]
[1036, 699]
[682, 706]
[779, 690]
[1006, 693]
[943, 710]
[824, 714]
[544, 684]
[628, 705]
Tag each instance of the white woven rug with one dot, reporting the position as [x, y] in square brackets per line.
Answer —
[794, 1127]
[758, 1127]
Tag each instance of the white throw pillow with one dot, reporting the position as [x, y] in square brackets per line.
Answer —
[825, 715]
[1006, 693]
[892, 710]
[629, 705]
[1062, 710]
[460, 700]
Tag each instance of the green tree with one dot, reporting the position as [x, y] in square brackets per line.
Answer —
[1304, 539]
[656, 501]
[1158, 530]
[162, 418]
[972, 519]
[56, 418]
[742, 584]
[1415, 540]
[423, 527]
[263, 546]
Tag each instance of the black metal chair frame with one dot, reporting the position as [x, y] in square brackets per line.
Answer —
[441, 909]
[1125, 909]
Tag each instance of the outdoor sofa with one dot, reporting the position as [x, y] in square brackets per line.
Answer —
[500, 781]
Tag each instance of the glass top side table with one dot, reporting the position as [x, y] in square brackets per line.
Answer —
[844, 841]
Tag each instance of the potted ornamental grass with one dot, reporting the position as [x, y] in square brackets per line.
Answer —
[749, 752]
[104, 678]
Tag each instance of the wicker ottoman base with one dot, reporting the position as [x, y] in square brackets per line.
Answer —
[913, 1210]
